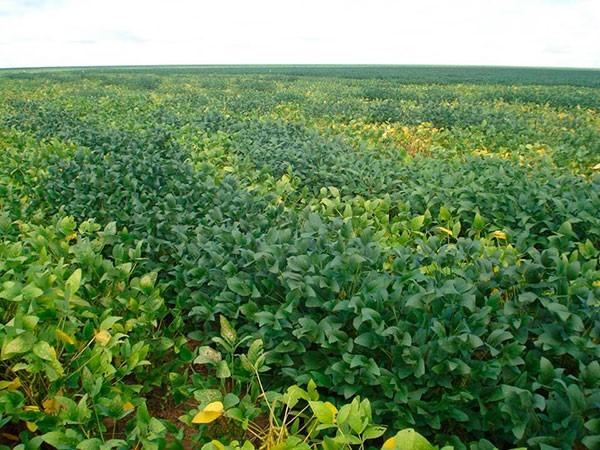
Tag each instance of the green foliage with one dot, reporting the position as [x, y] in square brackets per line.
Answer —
[433, 248]
[76, 331]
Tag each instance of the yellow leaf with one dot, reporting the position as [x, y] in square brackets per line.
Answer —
[70, 237]
[499, 235]
[32, 408]
[50, 406]
[64, 337]
[389, 444]
[209, 414]
[331, 407]
[11, 385]
[10, 437]
[128, 406]
[102, 337]
[596, 167]
[218, 445]
[31, 426]
[14, 384]
[596, 283]
[445, 230]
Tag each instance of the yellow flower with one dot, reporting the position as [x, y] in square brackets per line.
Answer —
[210, 413]
[596, 283]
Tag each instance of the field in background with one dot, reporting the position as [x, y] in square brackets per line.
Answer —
[174, 240]
[401, 74]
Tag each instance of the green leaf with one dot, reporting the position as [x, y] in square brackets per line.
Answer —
[407, 439]
[344, 414]
[207, 355]
[417, 223]
[236, 414]
[109, 322]
[478, 222]
[355, 418]
[323, 411]
[230, 400]
[21, 344]
[591, 442]
[456, 229]
[90, 444]
[546, 371]
[593, 425]
[31, 292]
[293, 395]
[566, 229]
[373, 432]
[43, 350]
[74, 281]
[223, 370]
[311, 388]
[59, 440]
[227, 331]
[239, 286]
[206, 396]
[255, 351]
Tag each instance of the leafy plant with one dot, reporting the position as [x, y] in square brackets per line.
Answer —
[430, 247]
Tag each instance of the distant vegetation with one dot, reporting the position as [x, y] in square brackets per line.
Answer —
[400, 74]
[300, 257]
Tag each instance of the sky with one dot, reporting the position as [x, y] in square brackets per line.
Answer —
[555, 33]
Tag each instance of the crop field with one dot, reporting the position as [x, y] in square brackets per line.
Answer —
[300, 258]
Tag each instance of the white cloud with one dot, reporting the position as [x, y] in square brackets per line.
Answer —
[111, 32]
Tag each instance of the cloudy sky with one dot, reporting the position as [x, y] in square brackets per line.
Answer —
[486, 32]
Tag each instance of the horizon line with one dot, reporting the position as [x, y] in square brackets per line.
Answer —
[308, 65]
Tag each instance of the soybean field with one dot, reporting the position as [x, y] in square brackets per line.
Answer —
[300, 257]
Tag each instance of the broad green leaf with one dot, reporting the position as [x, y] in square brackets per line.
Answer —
[223, 370]
[207, 355]
[227, 331]
[18, 345]
[239, 286]
[43, 350]
[325, 412]
[74, 281]
[31, 292]
[407, 439]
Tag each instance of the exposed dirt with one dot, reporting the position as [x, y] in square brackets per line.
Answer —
[165, 408]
